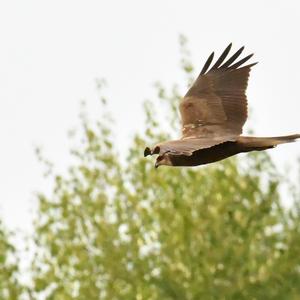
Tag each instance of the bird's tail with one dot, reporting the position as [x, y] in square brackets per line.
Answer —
[262, 143]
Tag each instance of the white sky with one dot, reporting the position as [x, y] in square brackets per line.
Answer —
[52, 51]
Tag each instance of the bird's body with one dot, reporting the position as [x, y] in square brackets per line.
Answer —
[227, 149]
[207, 155]
[213, 113]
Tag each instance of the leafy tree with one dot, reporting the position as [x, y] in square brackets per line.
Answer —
[10, 289]
[127, 231]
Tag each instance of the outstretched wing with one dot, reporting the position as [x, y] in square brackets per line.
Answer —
[216, 104]
[184, 146]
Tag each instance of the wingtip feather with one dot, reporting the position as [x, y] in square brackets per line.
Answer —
[233, 58]
[222, 57]
[242, 61]
[207, 63]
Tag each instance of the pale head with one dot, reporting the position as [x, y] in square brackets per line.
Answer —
[163, 160]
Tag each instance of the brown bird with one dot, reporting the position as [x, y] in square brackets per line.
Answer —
[213, 113]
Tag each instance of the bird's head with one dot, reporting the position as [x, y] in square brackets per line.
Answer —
[163, 160]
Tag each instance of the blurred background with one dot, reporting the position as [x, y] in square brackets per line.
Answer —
[55, 55]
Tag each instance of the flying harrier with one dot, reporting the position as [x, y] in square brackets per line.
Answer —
[213, 113]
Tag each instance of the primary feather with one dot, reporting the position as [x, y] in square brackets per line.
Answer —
[213, 112]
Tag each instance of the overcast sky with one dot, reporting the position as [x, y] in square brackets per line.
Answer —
[52, 51]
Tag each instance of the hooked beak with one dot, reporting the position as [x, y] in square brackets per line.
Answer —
[156, 165]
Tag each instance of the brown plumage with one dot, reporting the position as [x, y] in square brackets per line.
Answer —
[213, 113]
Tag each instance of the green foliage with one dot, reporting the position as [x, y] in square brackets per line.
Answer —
[10, 289]
[127, 231]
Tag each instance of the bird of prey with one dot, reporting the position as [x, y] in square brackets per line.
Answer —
[213, 113]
